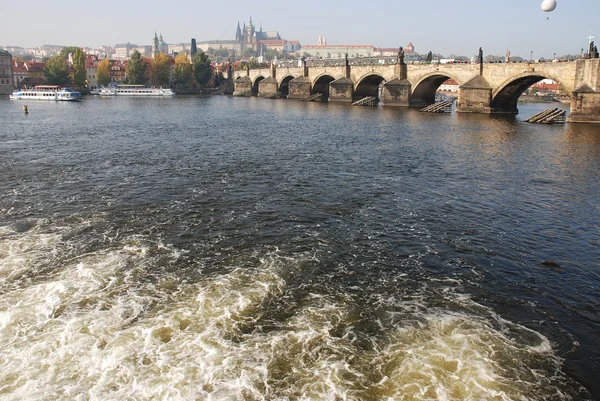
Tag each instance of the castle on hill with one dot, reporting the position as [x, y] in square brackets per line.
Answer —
[249, 34]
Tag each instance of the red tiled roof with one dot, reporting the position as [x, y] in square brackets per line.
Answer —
[543, 85]
[450, 81]
[19, 69]
[36, 66]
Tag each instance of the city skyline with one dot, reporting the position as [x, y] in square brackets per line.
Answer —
[459, 28]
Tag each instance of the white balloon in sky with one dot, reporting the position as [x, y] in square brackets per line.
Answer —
[548, 5]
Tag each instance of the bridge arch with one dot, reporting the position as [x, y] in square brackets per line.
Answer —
[368, 85]
[506, 96]
[321, 85]
[284, 85]
[423, 92]
[255, 85]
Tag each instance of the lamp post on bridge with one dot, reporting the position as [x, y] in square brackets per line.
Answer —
[531, 57]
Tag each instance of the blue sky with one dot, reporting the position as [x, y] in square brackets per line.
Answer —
[442, 26]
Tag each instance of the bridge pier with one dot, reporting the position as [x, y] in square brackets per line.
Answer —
[267, 87]
[475, 96]
[242, 86]
[341, 90]
[299, 88]
[396, 93]
[585, 103]
[585, 107]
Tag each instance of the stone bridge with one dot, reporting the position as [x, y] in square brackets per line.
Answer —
[483, 88]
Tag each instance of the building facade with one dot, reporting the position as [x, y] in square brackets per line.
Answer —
[6, 75]
[19, 73]
[123, 50]
[91, 71]
[118, 72]
[221, 44]
[338, 51]
[449, 85]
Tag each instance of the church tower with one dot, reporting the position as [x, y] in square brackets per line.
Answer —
[250, 31]
[238, 33]
[164, 48]
[155, 45]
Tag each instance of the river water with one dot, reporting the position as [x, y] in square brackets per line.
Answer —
[219, 248]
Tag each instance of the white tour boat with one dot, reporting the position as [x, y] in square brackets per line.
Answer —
[46, 92]
[134, 90]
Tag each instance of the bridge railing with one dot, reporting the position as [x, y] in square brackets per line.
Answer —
[357, 61]
[337, 62]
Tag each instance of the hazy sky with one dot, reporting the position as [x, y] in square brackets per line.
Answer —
[443, 26]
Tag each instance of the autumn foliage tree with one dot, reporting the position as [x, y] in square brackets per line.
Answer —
[183, 69]
[103, 73]
[161, 70]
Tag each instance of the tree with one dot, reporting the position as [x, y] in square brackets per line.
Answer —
[79, 72]
[136, 69]
[183, 69]
[57, 71]
[271, 54]
[248, 52]
[161, 70]
[202, 68]
[494, 59]
[64, 52]
[103, 74]
[252, 63]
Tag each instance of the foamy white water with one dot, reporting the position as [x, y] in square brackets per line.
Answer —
[96, 328]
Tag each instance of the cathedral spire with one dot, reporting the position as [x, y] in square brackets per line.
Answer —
[238, 33]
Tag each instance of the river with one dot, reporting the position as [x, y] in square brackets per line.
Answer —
[220, 248]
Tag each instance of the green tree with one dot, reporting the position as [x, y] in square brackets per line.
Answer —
[136, 69]
[202, 68]
[183, 69]
[79, 72]
[248, 52]
[64, 52]
[253, 63]
[161, 70]
[271, 54]
[103, 72]
[57, 71]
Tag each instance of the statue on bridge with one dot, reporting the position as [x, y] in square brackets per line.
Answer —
[401, 56]
[480, 56]
[593, 50]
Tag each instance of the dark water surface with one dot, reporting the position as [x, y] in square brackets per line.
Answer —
[222, 248]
